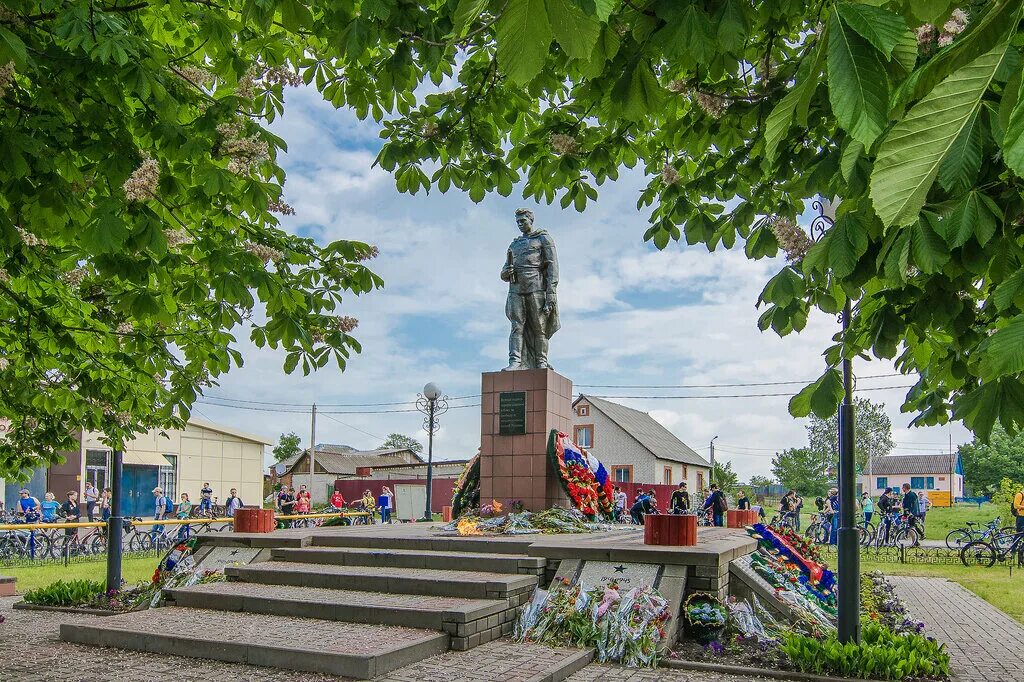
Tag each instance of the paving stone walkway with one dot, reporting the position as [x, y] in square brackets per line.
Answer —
[984, 643]
[32, 652]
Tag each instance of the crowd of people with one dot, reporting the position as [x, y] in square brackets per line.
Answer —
[711, 502]
[291, 502]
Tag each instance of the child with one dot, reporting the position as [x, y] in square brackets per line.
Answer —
[206, 501]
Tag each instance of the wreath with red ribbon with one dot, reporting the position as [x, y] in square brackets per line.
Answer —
[588, 485]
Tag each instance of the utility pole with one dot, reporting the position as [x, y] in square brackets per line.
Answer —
[711, 476]
[115, 524]
[312, 450]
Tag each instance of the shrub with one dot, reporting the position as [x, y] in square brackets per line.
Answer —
[1003, 496]
[881, 654]
[66, 593]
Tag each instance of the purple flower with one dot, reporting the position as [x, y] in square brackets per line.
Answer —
[715, 647]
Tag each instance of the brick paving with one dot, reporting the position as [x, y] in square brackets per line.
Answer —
[501, 660]
[984, 643]
[612, 673]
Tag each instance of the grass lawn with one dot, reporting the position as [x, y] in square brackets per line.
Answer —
[940, 520]
[133, 570]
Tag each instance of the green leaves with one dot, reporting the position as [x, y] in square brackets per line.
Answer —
[795, 103]
[523, 36]
[466, 13]
[911, 154]
[12, 49]
[959, 170]
[1003, 352]
[881, 28]
[822, 397]
[857, 82]
[637, 93]
[575, 31]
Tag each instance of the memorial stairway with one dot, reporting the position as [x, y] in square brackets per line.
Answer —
[344, 603]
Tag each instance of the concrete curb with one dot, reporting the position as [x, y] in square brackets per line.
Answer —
[753, 672]
[25, 606]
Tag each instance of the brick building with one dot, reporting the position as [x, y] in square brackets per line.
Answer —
[634, 447]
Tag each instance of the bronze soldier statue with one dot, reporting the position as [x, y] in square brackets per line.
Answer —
[531, 270]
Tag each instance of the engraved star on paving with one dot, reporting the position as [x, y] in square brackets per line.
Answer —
[620, 569]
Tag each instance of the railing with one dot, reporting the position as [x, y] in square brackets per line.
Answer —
[898, 554]
[27, 544]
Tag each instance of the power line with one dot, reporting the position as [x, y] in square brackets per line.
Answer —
[763, 383]
[730, 395]
[294, 411]
[354, 428]
[307, 405]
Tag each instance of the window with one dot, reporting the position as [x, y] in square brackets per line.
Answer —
[700, 480]
[930, 482]
[917, 482]
[881, 483]
[96, 467]
[585, 436]
[685, 474]
[583, 410]
[168, 476]
[668, 476]
[623, 474]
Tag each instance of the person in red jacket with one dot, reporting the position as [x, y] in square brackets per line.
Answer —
[337, 500]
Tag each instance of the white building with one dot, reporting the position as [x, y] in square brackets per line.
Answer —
[941, 476]
[634, 447]
[341, 461]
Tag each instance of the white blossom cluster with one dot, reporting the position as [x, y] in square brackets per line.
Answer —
[953, 27]
[275, 206]
[30, 239]
[247, 84]
[346, 324]
[263, 252]
[31, 423]
[429, 129]
[176, 238]
[124, 328]
[316, 335]
[926, 35]
[369, 255]
[713, 105]
[4, 364]
[563, 145]
[765, 70]
[4, 276]
[6, 77]
[669, 174]
[792, 238]
[75, 277]
[284, 76]
[678, 86]
[141, 184]
[195, 75]
[243, 152]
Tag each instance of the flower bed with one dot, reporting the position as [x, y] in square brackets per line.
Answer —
[625, 626]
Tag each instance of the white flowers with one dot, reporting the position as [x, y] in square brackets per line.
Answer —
[284, 76]
[4, 276]
[954, 27]
[429, 129]
[368, 255]
[346, 324]
[124, 328]
[195, 75]
[669, 174]
[275, 206]
[176, 238]
[30, 239]
[244, 153]
[792, 238]
[263, 252]
[75, 277]
[6, 77]
[142, 183]
[4, 364]
[713, 105]
[563, 145]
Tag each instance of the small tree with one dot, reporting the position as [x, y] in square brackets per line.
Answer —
[872, 434]
[986, 464]
[287, 447]
[802, 470]
[398, 440]
[724, 476]
[761, 481]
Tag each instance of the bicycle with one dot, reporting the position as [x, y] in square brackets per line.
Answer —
[784, 520]
[984, 553]
[958, 537]
[818, 530]
[23, 544]
[897, 530]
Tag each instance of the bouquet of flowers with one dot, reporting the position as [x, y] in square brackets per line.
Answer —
[584, 479]
[705, 616]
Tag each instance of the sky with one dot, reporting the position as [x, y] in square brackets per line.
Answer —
[631, 316]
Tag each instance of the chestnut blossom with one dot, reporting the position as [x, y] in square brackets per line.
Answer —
[429, 129]
[284, 76]
[195, 75]
[678, 86]
[75, 277]
[263, 252]
[175, 238]
[124, 328]
[346, 324]
[4, 276]
[926, 34]
[142, 183]
[276, 206]
[6, 77]
[713, 105]
[30, 239]
[368, 255]
[669, 174]
[563, 145]
[792, 238]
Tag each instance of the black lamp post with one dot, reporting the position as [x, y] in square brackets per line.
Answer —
[432, 404]
[115, 524]
[847, 539]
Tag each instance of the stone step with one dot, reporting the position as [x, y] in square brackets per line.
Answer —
[355, 537]
[345, 649]
[469, 584]
[510, 661]
[414, 558]
[411, 610]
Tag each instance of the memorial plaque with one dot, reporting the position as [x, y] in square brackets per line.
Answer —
[512, 413]
[595, 573]
[220, 557]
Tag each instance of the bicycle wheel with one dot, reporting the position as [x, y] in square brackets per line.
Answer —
[812, 531]
[41, 548]
[867, 535]
[98, 544]
[906, 537]
[957, 538]
[823, 534]
[978, 553]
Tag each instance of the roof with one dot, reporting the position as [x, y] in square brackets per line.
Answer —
[437, 463]
[244, 435]
[347, 461]
[661, 442]
[895, 465]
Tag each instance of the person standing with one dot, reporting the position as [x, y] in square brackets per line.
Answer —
[29, 506]
[619, 498]
[832, 515]
[92, 496]
[160, 504]
[337, 501]
[49, 506]
[923, 505]
[232, 503]
[205, 499]
[742, 501]
[71, 513]
[798, 507]
[718, 505]
[368, 504]
[867, 506]
[304, 493]
[910, 507]
[184, 507]
[384, 502]
[1017, 509]
[105, 501]
[680, 500]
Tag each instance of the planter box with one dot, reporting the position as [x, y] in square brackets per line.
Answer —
[254, 520]
[740, 518]
[670, 529]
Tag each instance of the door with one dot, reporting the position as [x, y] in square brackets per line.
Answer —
[137, 489]
[410, 501]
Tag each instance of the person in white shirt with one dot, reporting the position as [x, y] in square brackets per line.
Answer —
[92, 496]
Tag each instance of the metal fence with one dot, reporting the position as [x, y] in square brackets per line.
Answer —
[900, 555]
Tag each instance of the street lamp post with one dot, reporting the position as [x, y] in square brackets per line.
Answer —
[711, 474]
[847, 540]
[115, 524]
[432, 404]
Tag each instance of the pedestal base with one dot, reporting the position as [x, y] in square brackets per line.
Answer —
[515, 466]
